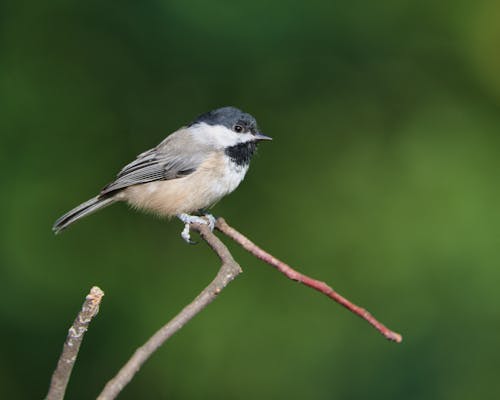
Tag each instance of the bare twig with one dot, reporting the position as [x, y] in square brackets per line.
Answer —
[61, 375]
[227, 272]
[322, 287]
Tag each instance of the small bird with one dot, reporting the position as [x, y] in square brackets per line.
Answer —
[187, 173]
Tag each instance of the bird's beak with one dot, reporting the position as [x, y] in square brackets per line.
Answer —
[259, 136]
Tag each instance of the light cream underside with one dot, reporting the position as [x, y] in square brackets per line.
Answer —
[213, 179]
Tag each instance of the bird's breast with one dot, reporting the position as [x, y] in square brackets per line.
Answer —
[230, 177]
[213, 179]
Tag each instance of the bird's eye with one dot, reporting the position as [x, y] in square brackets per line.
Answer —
[238, 128]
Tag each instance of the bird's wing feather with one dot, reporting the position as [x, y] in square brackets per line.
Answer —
[177, 156]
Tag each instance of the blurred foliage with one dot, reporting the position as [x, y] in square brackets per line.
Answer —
[382, 180]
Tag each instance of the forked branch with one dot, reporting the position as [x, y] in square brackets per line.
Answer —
[227, 272]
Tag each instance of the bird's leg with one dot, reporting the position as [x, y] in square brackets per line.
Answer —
[207, 219]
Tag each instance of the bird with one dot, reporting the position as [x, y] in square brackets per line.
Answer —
[185, 174]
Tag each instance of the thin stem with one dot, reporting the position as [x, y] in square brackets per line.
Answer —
[62, 373]
[291, 273]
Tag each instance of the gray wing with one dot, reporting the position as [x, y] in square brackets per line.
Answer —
[177, 156]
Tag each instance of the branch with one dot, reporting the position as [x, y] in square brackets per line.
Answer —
[61, 375]
[227, 272]
[290, 273]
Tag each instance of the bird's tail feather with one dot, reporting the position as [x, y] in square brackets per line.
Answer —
[84, 209]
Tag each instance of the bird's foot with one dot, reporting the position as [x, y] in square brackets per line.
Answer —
[207, 219]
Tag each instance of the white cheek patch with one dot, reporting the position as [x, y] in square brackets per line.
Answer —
[245, 137]
[219, 135]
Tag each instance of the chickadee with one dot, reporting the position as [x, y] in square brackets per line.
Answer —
[188, 172]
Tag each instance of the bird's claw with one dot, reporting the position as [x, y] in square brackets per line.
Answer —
[211, 221]
[186, 235]
[207, 219]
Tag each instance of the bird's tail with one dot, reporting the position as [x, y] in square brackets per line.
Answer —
[84, 209]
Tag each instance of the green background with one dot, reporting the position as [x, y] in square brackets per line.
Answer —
[382, 180]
